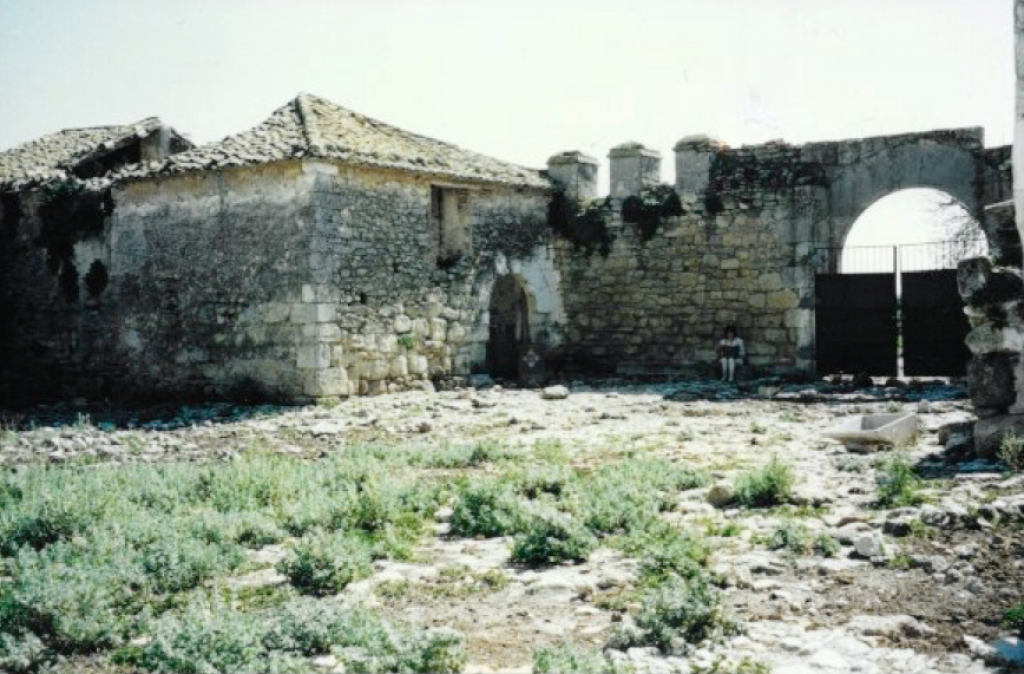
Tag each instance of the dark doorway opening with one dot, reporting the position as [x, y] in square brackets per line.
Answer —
[509, 328]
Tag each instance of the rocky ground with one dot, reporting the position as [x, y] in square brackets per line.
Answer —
[911, 589]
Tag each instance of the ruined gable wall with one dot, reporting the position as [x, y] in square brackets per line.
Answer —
[54, 334]
[403, 316]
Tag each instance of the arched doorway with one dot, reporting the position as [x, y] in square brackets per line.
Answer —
[509, 327]
[887, 304]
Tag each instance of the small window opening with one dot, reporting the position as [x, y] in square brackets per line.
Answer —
[449, 214]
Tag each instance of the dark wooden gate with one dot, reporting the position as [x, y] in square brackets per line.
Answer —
[934, 325]
[855, 324]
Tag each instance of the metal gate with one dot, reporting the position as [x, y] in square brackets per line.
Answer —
[933, 323]
[878, 306]
[855, 325]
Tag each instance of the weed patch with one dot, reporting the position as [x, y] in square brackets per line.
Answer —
[769, 485]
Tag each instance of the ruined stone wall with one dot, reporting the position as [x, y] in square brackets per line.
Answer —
[659, 306]
[758, 222]
[54, 327]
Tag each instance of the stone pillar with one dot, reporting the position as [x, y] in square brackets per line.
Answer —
[1018, 135]
[633, 167]
[576, 173]
[694, 155]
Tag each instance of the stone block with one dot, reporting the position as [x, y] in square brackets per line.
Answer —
[988, 338]
[303, 313]
[438, 329]
[418, 365]
[308, 293]
[387, 344]
[421, 326]
[782, 299]
[990, 379]
[328, 332]
[325, 313]
[989, 433]
[400, 367]
[327, 382]
[456, 333]
[377, 369]
[312, 356]
[276, 312]
[403, 324]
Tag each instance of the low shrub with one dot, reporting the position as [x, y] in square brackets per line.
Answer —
[769, 485]
[23, 653]
[1011, 451]
[325, 562]
[549, 479]
[628, 496]
[73, 598]
[799, 539]
[551, 538]
[463, 456]
[175, 561]
[487, 508]
[897, 484]
[206, 639]
[676, 613]
[666, 552]
[568, 658]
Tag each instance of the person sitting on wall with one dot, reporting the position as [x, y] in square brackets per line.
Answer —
[730, 351]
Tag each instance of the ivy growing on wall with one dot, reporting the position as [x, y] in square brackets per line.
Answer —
[584, 224]
[648, 209]
[69, 213]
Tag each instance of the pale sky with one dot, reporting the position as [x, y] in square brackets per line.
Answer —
[517, 79]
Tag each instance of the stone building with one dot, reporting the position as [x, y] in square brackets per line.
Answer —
[324, 253]
[320, 253]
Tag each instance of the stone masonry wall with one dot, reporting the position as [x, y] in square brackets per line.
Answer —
[659, 306]
[207, 272]
[293, 280]
[403, 315]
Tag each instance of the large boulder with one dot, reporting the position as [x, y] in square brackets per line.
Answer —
[990, 379]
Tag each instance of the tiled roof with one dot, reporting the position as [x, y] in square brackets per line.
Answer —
[309, 126]
[54, 155]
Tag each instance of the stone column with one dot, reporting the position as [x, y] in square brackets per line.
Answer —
[576, 173]
[694, 155]
[633, 167]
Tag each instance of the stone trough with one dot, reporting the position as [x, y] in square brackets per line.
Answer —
[864, 432]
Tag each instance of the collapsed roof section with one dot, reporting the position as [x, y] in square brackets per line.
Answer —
[88, 154]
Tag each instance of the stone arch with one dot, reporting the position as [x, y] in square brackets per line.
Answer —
[540, 281]
[509, 326]
[865, 171]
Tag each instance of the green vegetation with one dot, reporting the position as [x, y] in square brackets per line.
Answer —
[95, 556]
[1011, 451]
[96, 553]
[769, 485]
[896, 481]
[797, 538]
[1014, 618]
[568, 658]
[675, 613]
[552, 537]
[205, 638]
[325, 563]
